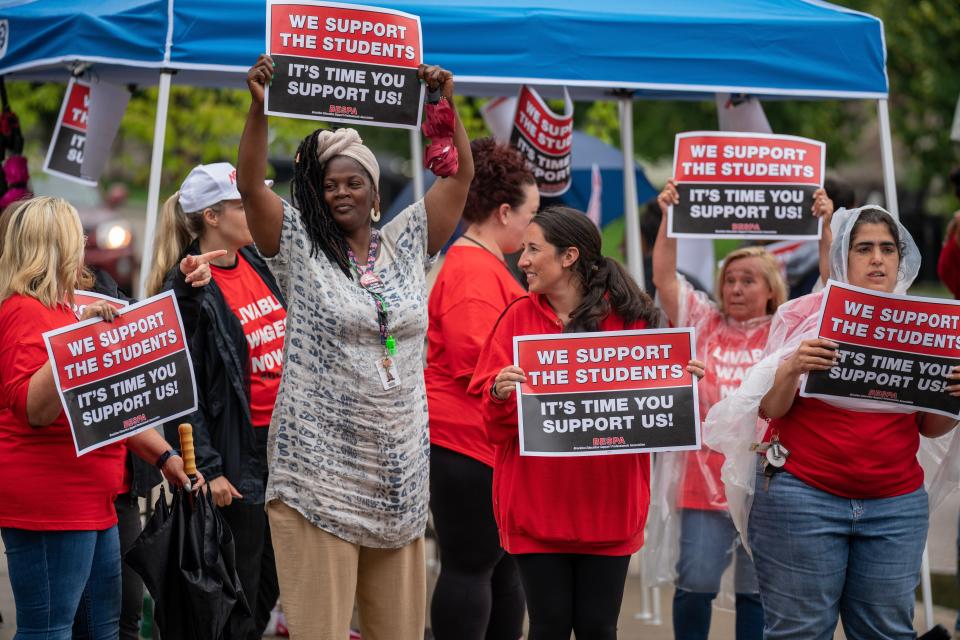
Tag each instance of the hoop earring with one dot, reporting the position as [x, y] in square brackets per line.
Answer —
[374, 214]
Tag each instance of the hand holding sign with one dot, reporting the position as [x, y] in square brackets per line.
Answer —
[259, 77]
[818, 354]
[954, 389]
[197, 268]
[437, 79]
[822, 205]
[99, 309]
[505, 382]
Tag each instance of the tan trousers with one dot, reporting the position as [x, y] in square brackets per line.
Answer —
[322, 575]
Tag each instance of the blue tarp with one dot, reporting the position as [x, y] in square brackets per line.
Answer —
[764, 47]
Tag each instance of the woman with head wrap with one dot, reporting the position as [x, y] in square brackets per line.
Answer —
[839, 530]
[348, 448]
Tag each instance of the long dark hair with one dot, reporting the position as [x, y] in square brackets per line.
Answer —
[606, 285]
[306, 191]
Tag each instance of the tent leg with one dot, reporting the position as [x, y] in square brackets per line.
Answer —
[886, 154]
[416, 159]
[631, 212]
[156, 170]
[926, 590]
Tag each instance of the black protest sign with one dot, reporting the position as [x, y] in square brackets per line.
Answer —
[606, 393]
[894, 350]
[65, 153]
[344, 64]
[119, 378]
[746, 185]
[545, 139]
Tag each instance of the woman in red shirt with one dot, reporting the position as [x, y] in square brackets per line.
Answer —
[837, 531]
[571, 541]
[478, 594]
[57, 518]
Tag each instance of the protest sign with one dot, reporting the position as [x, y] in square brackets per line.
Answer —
[893, 349]
[609, 392]
[746, 185]
[82, 299]
[545, 139]
[65, 154]
[119, 378]
[344, 63]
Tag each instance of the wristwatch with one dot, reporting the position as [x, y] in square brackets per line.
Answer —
[166, 455]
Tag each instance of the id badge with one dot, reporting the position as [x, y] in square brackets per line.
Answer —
[389, 372]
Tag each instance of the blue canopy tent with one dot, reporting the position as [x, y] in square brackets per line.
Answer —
[606, 49]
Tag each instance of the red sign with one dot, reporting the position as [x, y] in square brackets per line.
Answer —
[118, 378]
[747, 158]
[342, 33]
[607, 392]
[893, 349]
[78, 103]
[545, 139]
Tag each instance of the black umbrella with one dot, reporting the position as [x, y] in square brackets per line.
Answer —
[185, 556]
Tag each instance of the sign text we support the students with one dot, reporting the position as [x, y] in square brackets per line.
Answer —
[341, 63]
[608, 392]
[746, 185]
[118, 378]
[545, 139]
[893, 349]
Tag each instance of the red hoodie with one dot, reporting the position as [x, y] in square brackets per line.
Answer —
[589, 504]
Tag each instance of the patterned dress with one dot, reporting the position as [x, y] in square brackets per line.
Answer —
[349, 456]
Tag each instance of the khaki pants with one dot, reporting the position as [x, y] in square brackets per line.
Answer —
[322, 575]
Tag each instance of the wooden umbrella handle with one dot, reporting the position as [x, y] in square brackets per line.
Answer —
[186, 450]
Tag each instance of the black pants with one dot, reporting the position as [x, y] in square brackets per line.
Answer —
[478, 594]
[573, 592]
[255, 566]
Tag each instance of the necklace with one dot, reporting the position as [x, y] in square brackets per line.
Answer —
[481, 245]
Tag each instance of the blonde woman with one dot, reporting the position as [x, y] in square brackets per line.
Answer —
[731, 335]
[57, 518]
[236, 325]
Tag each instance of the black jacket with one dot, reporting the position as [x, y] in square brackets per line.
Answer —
[224, 439]
[143, 475]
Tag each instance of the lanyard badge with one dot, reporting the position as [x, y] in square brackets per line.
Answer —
[372, 284]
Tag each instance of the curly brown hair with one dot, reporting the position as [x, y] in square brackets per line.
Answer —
[500, 175]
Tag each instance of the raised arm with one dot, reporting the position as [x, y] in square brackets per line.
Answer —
[263, 207]
[445, 199]
[823, 208]
[665, 258]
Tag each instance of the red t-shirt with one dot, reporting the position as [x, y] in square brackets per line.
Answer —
[728, 348]
[264, 322]
[44, 486]
[948, 265]
[471, 291]
[853, 454]
[585, 504]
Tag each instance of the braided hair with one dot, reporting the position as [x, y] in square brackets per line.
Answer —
[605, 283]
[306, 191]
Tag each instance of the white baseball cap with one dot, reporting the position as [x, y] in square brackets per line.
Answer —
[208, 184]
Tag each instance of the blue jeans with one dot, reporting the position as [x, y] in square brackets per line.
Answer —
[820, 557]
[708, 543]
[57, 575]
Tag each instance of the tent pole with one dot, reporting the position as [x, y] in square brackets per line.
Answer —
[631, 212]
[156, 169]
[886, 154]
[416, 159]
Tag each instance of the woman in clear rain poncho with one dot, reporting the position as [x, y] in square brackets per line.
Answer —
[688, 493]
[839, 530]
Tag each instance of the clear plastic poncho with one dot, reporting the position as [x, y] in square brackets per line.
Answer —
[732, 425]
[690, 480]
